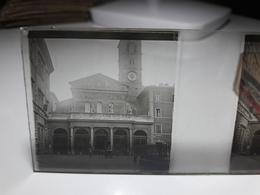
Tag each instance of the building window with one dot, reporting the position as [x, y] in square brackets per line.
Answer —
[87, 107]
[157, 97]
[99, 107]
[158, 128]
[158, 112]
[131, 61]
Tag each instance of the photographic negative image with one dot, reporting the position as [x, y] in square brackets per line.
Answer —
[100, 101]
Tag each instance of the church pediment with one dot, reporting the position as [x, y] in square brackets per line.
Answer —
[99, 82]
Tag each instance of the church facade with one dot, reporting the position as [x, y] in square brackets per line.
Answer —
[105, 113]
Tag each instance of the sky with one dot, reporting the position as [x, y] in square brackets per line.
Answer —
[78, 58]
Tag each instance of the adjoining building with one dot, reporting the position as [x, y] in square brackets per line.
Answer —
[41, 67]
[105, 113]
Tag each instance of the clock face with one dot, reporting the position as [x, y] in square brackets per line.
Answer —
[132, 76]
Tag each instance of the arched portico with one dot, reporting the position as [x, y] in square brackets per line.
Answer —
[81, 139]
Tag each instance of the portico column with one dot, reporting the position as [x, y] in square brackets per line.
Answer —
[71, 140]
[131, 140]
[111, 138]
[92, 137]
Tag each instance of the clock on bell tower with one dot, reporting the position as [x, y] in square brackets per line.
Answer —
[130, 64]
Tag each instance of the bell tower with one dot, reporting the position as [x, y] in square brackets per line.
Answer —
[130, 65]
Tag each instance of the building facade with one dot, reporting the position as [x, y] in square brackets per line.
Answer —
[109, 114]
[41, 68]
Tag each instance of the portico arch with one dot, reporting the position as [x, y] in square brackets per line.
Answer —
[120, 141]
[159, 139]
[82, 141]
[101, 139]
[60, 141]
[140, 138]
